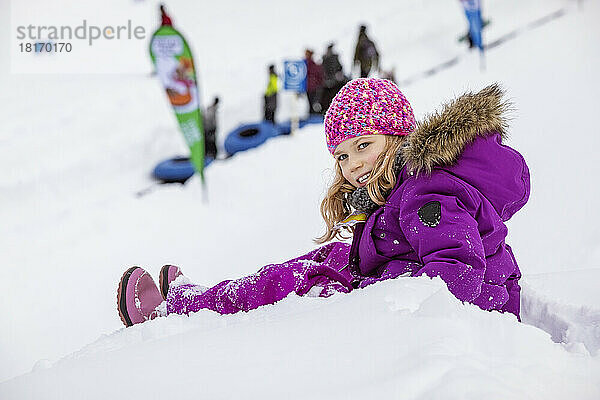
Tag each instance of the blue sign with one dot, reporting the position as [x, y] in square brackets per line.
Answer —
[294, 76]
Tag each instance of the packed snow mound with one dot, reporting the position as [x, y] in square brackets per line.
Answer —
[405, 338]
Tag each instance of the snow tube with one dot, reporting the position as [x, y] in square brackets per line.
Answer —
[248, 136]
[176, 169]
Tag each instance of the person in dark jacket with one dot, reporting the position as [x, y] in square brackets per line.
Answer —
[210, 130]
[271, 95]
[365, 53]
[333, 77]
[314, 82]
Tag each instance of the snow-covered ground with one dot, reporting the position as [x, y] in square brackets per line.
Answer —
[75, 149]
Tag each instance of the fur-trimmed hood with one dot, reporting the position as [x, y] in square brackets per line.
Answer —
[464, 138]
[441, 138]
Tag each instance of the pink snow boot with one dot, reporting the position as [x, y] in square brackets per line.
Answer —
[168, 273]
[137, 297]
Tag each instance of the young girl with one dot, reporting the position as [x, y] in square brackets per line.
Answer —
[429, 198]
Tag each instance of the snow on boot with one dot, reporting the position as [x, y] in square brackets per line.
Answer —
[138, 297]
[168, 273]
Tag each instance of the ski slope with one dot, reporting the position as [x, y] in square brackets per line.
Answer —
[75, 149]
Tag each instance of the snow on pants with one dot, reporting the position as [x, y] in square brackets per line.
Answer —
[322, 272]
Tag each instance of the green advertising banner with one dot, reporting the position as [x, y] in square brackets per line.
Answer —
[174, 66]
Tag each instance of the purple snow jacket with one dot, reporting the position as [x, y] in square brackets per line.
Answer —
[456, 187]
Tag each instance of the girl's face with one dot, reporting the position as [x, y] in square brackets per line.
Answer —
[357, 157]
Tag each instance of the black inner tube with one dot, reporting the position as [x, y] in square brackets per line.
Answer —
[249, 132]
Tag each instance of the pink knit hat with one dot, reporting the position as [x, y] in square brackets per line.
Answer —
[367, 106]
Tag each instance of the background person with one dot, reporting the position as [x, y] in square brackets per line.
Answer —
[333, 77]
[270, 97]
[210, 129]
[165, 20]
[314, 83]
[365, 53]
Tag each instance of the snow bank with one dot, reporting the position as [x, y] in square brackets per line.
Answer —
[408, 338]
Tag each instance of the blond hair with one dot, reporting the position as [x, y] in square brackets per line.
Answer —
[335, 208]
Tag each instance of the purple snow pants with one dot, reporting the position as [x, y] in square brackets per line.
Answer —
[322, 272]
